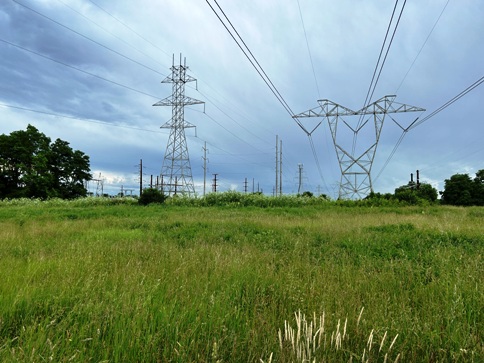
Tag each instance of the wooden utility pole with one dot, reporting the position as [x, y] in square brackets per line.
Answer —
[140, 177]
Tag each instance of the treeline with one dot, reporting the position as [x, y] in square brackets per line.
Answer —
[31, 166]
[460, 190]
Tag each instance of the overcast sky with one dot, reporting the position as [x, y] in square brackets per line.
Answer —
[101, 63]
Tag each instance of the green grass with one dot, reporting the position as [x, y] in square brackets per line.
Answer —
[116, 282]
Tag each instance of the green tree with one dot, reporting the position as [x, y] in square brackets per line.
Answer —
[30, 166]
[478, 188]
[412, 194]
[458, 190]
[151, 195]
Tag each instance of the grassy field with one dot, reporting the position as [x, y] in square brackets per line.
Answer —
[165, 283]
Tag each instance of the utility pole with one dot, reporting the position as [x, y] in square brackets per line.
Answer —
[277, 166]
[280, 170]
[245, 186]
[214, 185]
[204, 166]
[176, 162]
[300, 166]
[140, 177]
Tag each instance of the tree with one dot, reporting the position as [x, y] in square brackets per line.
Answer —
[412, 194]
[478, 188]
[462, 190]
[457, 190]
[151, 195]
[33, 167]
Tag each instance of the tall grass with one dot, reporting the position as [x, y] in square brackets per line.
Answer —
[120, 282]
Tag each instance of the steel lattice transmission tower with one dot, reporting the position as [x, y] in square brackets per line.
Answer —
[356, 167]
[176, 173]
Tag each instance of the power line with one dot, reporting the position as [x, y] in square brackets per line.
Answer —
[422, 47]
[448, 103]
[261, 72]
[129, 28]
[368, 98]
[250, 56]
[108, 32]
[77, 118]
[86, 37]
[75, 68]
[309, 50]
[418, 122]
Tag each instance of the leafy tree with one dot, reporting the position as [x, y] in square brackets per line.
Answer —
[31, 166]
[306, 194]
[151, 195]
[457, 190]
[462, 190]
[412, 194]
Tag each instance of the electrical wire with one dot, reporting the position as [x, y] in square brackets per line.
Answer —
[75, 68]
[253, 61]
[447, 104]
[87, 38]
[309, 49]
[371, 91]
[78, 118]
[128, 27]
[418, 122]
[422, 47]
[109, 32]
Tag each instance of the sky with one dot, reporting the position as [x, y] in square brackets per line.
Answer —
[88, 72]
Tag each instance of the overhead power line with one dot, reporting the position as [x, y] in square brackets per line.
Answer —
[78, 118]
[422, 47]
[448, 103]
[90, 39]
[109, 32]
[374, 82]
[252, 59]
[309, 49]
[418, 122]
[75, 68]
[129, 28]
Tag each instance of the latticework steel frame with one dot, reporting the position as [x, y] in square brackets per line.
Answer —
[176, 172]
[356, 180]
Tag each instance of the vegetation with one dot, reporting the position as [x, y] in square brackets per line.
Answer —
[100, 279]
[33, 167]
[151, 195]
[460, 189]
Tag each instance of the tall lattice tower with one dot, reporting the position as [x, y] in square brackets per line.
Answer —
[176, 173]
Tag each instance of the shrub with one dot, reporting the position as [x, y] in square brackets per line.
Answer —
[151, 195]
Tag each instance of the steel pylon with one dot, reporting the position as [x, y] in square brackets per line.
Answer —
[176, 173]
[356, 182]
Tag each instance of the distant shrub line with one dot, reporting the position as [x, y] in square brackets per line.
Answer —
[223, 199]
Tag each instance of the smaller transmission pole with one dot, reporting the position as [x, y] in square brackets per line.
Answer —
[204, 166]
[140, 177]
[214, 185]
[277, 166]
[300, 178]
[280, 169]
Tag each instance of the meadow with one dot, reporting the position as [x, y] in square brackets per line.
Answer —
[83, 281]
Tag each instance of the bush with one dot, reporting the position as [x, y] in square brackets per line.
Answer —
[151, 195]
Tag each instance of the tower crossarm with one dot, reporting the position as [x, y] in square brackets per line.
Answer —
[384, 105]
[184, 101]
[387, 104]
[326, 108]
